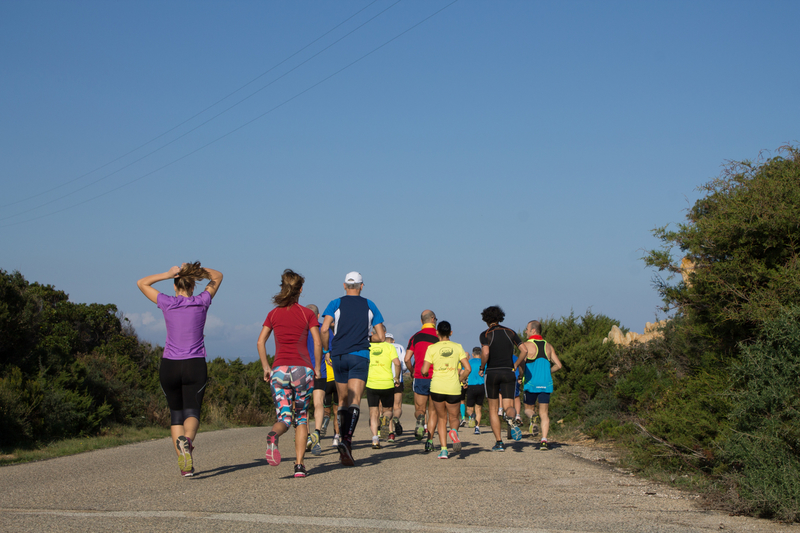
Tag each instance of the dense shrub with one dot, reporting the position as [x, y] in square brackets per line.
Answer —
[763, 444]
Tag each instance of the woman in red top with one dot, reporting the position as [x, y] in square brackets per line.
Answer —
[292, 374]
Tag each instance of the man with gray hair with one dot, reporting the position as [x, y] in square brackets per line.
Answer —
[354, 317]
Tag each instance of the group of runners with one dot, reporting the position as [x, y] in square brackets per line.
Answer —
[331, 358]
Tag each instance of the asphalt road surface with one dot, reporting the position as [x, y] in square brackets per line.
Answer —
[398, 488]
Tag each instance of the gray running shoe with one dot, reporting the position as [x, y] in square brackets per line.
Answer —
[419, 431]
[316, 449]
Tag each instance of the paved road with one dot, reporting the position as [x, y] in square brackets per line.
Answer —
[138, 488]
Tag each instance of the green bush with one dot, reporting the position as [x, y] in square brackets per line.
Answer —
[763, 445]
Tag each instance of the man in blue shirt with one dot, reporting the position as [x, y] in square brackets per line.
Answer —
[353, 317]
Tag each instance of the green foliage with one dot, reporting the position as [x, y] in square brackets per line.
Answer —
[237, 392]
[763, 445]
[744, 239]
[578, 341]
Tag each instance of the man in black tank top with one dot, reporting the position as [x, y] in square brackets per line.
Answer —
[497, 365]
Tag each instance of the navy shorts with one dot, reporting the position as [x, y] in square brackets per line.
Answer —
[422, 386]
[350, 366]
[532, 397]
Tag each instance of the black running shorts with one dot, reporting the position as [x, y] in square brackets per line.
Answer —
[500, 381]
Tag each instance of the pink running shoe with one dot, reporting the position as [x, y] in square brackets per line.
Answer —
[453, 434]
[273, 455]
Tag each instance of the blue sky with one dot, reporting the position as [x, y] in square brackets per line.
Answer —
[509, 153]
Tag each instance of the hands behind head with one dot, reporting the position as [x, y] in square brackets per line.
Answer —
[173, 272]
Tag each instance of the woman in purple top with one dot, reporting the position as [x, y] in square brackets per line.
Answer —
[183, 370]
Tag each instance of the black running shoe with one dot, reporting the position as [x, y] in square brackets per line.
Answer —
[299, 470]
[398, 429]
[345, 453]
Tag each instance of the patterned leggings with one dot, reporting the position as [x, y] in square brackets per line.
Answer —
[292, 385]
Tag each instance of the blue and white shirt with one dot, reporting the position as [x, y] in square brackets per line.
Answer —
[354, 318]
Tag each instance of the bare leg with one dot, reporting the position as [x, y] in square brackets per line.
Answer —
[397, 408]
[373, 421]
[494, 418]
[477, 414]
[545, 415]
[420, 401]
[439, 417]
[454, 410]
[434, 420]
[300, 436]
[319, 408]
[508, 407]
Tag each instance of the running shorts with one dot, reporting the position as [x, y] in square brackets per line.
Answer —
[384, 396]
[500, 382]
[183, 382]
[532, 397]
[475, 395]
[292, 387]
[331, 394]
[449, 398]
[350, 366]
[399, 388]
[422, 386]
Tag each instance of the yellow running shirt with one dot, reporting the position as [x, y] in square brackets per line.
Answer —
[445, 357]
[381, 372]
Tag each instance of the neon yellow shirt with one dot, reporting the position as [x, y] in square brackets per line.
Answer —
[381, 371]
[445, 357]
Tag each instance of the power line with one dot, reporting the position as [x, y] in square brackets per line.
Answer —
[323, 80]
[145, 156]
[190, 118]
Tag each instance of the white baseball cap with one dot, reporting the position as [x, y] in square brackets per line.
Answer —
[389, 336]
[353, 277]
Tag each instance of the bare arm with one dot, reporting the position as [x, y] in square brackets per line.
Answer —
[484, 359]
[523, 355]
[317, 351]
[397, 369]
[380, 333]
[407, 361]
[214, 283]
[146, 284]
[262, 352]
[325, 333]
[465, 369]
[554, 360]
[426, 366]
